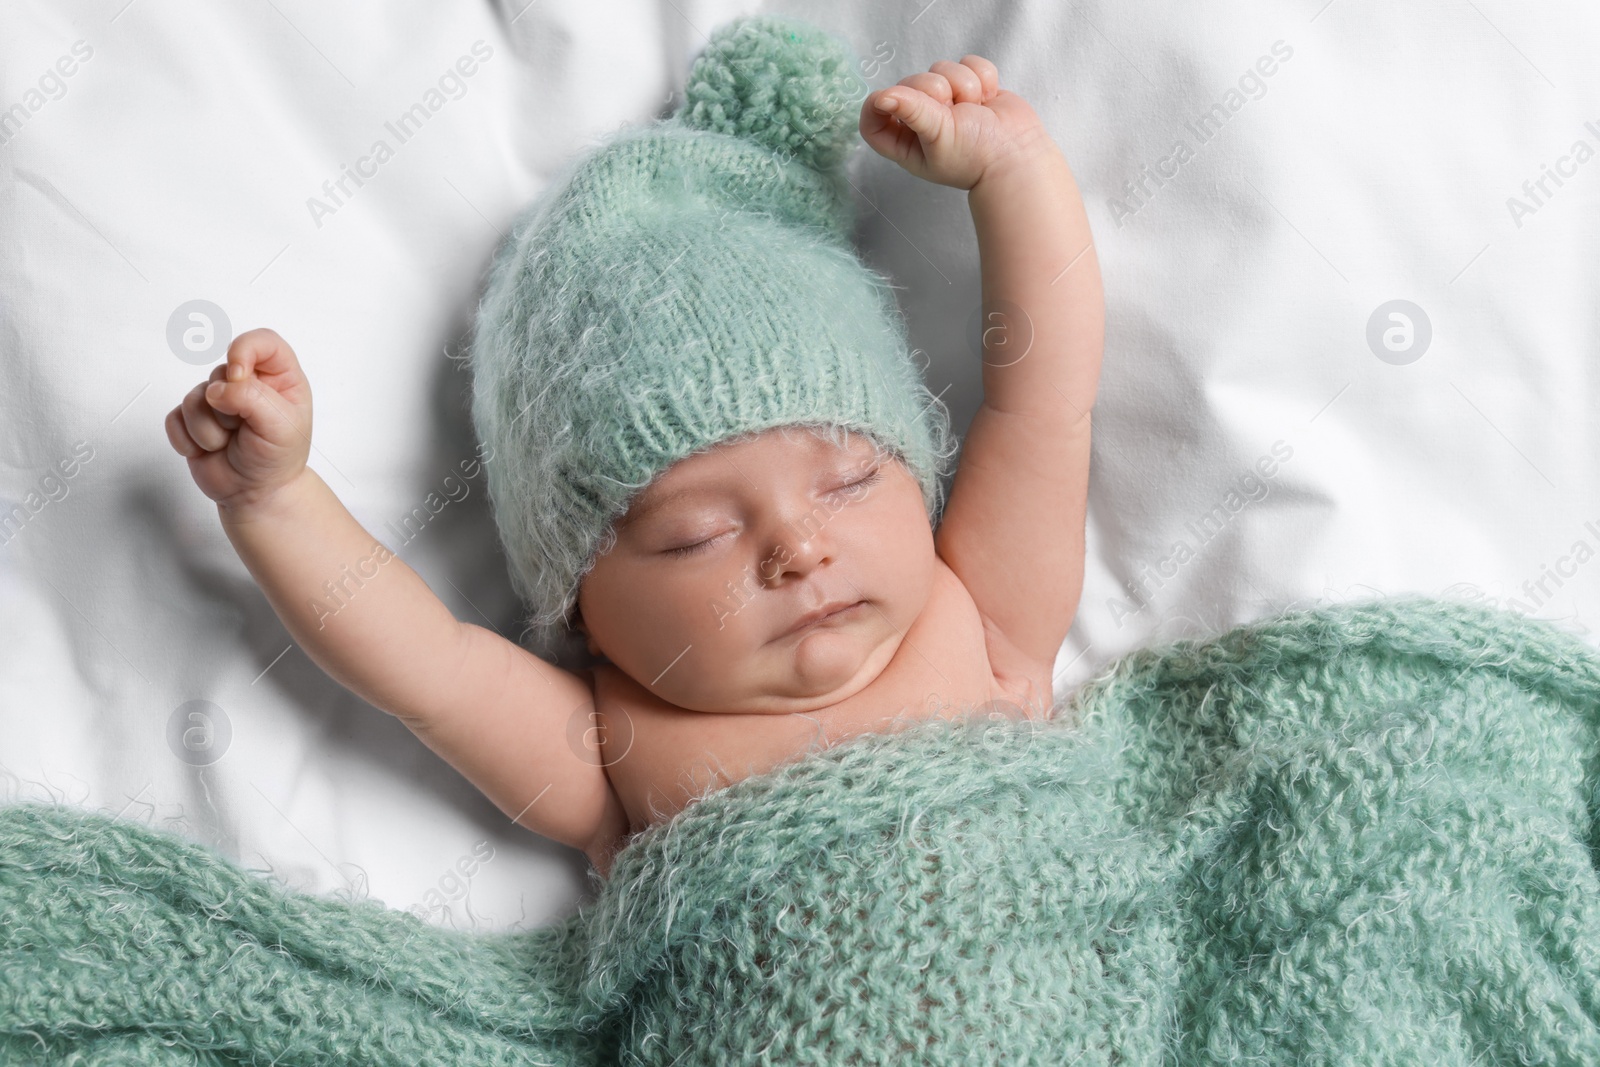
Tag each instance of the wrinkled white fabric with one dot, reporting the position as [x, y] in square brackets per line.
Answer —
[195, 153]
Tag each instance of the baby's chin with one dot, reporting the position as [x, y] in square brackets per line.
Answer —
[826, 661]
[822, 668]
[788, 676]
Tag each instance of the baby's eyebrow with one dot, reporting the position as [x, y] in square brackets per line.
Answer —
[644, 506]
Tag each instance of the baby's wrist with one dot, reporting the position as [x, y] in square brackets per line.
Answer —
[255, 505]
[1022, 165]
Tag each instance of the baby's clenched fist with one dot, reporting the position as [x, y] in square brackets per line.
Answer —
[246, 430]
[953, 124]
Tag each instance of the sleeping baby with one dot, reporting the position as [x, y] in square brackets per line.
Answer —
[711, 458]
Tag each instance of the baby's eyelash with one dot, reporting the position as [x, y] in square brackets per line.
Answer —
[863, 481]
[689, 550]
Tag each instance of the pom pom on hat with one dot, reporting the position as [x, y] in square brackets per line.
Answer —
[779, 83]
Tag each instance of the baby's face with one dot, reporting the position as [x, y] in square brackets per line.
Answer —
[722, 556]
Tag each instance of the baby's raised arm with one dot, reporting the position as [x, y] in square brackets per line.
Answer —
[1013, 529]
[494, 711]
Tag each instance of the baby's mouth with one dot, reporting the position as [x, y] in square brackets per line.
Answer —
[836, 611]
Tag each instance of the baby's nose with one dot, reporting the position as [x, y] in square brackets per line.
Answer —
[797, 549]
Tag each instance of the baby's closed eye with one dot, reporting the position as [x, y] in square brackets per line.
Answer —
[851, 486]
[697, 546]
[863, 482]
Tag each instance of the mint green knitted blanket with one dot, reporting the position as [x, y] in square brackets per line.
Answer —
[1363, 834]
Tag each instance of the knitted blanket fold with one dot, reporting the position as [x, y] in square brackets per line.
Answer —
[1360, 834]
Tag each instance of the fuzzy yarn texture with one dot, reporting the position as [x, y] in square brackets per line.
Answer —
[1360, 834]
[685, 283]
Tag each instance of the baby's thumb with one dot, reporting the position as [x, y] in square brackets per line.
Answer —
[263, 410]
[917, 111]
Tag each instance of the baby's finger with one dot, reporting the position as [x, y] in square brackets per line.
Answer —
[921, 115]
[964, 81]
[888, 137]
[267, 413]
[227, 421]
[201, 422]
[987, 73]
[935, 85]
[179, 436]
[266, 354]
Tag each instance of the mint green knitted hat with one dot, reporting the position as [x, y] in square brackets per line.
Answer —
[686, 282]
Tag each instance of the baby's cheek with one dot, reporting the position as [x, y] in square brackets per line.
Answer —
[662, 618]
[725, 613]
[897, 551]
[719, 633]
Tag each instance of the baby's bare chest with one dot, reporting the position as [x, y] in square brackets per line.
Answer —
[659, 757]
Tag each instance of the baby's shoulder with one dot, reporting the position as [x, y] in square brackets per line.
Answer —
[1021, 678]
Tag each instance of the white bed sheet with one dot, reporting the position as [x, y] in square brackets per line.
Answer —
[1377, 162]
